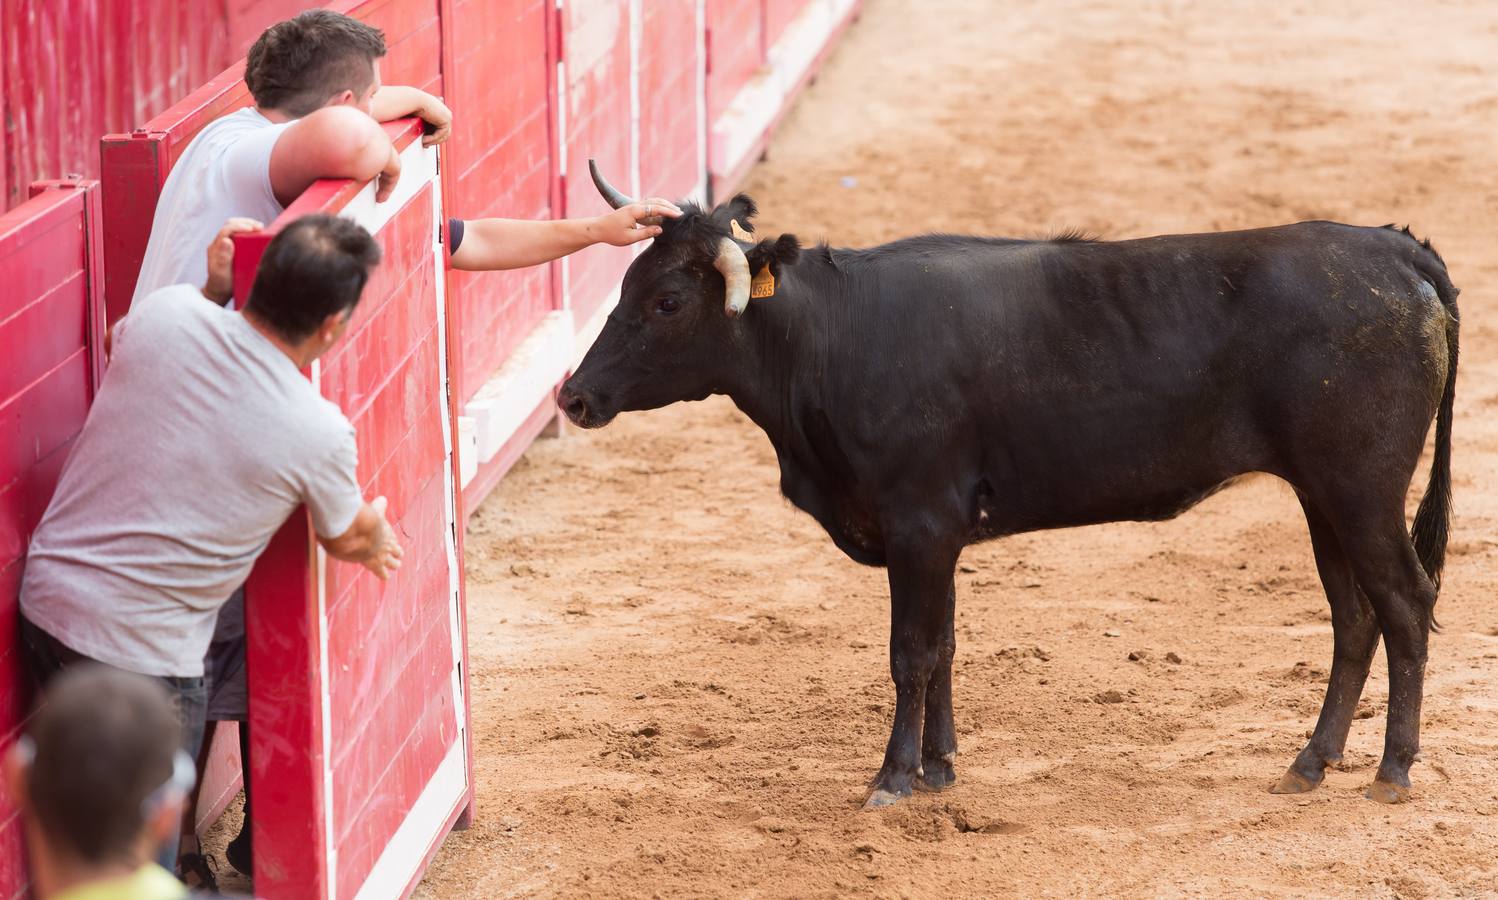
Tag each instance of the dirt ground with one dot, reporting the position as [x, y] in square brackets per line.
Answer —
[680, 687]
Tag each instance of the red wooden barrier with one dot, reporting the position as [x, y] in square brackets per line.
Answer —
[51, 316]
[357, 693]
[71, 70]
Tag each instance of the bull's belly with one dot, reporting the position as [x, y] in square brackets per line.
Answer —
[1095, 504]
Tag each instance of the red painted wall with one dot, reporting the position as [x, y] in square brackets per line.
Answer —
[71, 70]
[735, 49]
[50, 316]
[596, 54]
[669, 124]
[499, 163]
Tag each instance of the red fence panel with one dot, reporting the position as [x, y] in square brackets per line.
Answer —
[735, 49]
[359, 742]
[71, 70]
[670, 117]
[51, 319]
[597, 123]
[499, 164]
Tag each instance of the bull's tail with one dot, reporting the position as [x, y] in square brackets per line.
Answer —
[1433, 518]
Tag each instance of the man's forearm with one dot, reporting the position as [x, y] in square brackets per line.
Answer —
[397, 101]
[517, 243]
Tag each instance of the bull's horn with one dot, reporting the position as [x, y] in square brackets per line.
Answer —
[609, 192]
[734, 266]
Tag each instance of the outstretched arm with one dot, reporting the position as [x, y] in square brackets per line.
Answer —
[516, 243]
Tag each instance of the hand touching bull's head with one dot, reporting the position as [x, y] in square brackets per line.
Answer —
[677, 332]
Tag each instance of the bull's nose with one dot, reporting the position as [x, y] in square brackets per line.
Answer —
[573, 404]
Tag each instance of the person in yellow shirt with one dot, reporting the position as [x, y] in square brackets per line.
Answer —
[100, 782]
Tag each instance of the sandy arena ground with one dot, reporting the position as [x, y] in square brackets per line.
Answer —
[680, 687]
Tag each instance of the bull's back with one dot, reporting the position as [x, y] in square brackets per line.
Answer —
[1108, 380]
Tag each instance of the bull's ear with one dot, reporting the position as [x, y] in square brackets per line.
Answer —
[740, 209]
[773, 252]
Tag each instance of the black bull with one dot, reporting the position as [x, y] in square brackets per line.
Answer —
[938, 391]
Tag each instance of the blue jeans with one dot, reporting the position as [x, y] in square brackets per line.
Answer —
[46, 656]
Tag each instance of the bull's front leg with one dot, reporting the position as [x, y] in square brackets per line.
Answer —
[939, 740]
[921, 595]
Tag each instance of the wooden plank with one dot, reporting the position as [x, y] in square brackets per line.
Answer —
[48, 414]
[287, 763]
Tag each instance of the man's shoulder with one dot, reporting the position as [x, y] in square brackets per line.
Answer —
[179, 302]
[237, 122]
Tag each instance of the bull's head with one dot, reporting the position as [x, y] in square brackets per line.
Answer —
[679, 330]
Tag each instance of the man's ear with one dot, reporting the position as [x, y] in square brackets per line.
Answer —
[773, 252]
[344, 98]
[332, 327]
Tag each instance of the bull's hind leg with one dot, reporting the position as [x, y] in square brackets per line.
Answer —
[1402, 595]
[1354, 637]
[939, 738]
[920, 582]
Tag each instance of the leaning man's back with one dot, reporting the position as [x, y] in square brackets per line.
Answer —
[201, 414]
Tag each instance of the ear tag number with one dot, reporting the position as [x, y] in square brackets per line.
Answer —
[763, 284]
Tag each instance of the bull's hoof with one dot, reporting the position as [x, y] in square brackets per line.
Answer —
[1387, 792]
[881, 797]
[936, 774]
[1295, 782]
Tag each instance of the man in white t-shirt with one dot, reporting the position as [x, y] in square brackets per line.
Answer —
[318, 98]
[205, 436]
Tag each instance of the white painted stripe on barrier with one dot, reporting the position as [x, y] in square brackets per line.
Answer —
[325, 690]
[398, 862]
[507, 399]
[591, 329]
[468, 449]
[418, 169]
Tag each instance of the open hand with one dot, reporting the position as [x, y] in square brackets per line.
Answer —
[385, 556]
[633, 223]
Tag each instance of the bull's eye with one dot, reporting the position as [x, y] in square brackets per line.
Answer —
[667, 305]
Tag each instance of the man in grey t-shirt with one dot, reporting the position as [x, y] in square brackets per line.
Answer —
[204, 438]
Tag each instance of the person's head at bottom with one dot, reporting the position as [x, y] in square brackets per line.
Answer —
[100, 782]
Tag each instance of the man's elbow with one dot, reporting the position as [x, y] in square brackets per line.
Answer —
[349, 144]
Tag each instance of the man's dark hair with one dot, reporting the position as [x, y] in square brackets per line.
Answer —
[104, 742]
[316, 267]
[298, 65]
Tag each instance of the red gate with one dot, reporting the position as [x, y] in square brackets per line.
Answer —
[51, 320]
[357, 696]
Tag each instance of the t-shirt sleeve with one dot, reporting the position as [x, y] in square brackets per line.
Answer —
[331, 486]
[245, 166]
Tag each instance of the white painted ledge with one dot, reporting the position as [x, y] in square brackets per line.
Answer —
[508, 398]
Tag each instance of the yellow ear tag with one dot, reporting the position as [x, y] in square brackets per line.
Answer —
[763, 284]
